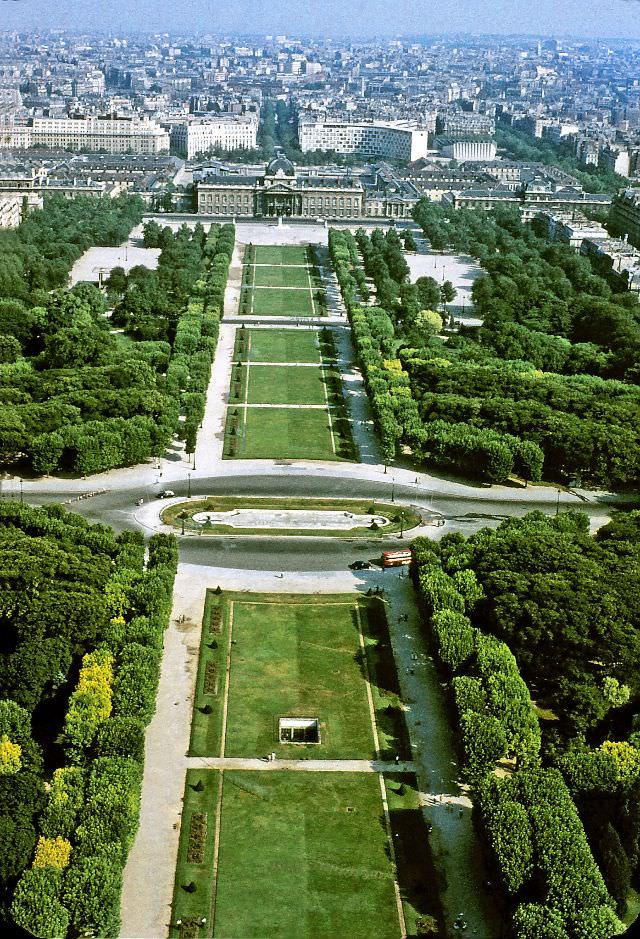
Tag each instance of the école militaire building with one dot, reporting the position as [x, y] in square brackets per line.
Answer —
[303, 192]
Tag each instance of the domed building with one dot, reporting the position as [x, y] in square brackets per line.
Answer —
[309, 192]
[313, 192]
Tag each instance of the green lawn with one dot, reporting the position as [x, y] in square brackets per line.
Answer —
[270, 301]
[206, 721]
[264, 276]
[283, 434]
[281, 254]
[285, 384]
[296, 655]
[297, 659]
[301, 854]
[282, 345]
[304, 856]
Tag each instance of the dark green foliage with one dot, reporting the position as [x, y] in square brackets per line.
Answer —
[36, 903]
[121, 736]
[18, 839]
[91, 891]
[69, 586]
[567, 605]
[558, 333]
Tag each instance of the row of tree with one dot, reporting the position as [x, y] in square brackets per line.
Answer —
[566, 604]
[469, 449]
[90, 813]
[70, 403]
[542, 860]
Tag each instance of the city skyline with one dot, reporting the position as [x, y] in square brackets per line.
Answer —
[364, 19]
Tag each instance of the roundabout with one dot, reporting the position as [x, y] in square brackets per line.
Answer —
[220, 515]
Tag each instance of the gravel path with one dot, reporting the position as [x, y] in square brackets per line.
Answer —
[149, 874]
[300, 766]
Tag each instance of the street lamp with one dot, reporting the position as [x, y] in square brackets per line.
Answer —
[189, 486]
[393, 489]
[21, 496]
[194, 461]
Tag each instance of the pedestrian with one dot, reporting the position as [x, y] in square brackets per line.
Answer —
[397, 760]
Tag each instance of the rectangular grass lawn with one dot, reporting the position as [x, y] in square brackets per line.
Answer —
[297, 659]
[279, 434]
[272, 276]
[283, 345]
[304, 855]
[280, 254]
[286, 384]
[270, 301]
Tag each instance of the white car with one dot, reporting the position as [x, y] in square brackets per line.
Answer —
[166, 494]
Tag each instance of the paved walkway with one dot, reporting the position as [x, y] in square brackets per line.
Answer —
[461, 269]
[210, 442]
[362, 429]
[147, 893]
[443, 795]
[300, 766]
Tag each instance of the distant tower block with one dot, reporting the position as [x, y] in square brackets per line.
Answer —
[299, 730]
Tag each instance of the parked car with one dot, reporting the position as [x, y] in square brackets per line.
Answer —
[166, 494]
[359, 566]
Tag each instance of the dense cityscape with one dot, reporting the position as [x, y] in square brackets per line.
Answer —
[319, 472]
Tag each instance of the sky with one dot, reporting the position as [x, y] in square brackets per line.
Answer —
[348, 18]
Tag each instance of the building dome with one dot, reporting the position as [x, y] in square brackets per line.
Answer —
[280, 166]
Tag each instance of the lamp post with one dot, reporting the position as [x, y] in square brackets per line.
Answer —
[393, 489]
[189, 486]
[558, 503]
[21, 495]
[194, 461]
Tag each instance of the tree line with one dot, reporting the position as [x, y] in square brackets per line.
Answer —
[539, 607]
[520, 146]
[70, 404]
[80, 664]
[512, 397]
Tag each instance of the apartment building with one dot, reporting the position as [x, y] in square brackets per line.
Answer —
[625, 215]
[111, 134]
[227, 132]
[389, 140]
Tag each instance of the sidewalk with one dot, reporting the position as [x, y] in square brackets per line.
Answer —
[147, 892]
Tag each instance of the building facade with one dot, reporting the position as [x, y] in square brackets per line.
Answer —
[280, 191]
[111, 134]
[625, 215]
[235, 132]
[389, 140]
[467, 151]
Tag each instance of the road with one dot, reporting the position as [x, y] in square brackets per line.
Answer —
[466, 514]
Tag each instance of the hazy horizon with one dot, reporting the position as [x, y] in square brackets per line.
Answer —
[365, 19]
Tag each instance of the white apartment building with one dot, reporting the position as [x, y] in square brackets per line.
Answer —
[616, 160]
[113, 134]
[15, 137]
[397, 140]
[233, 132]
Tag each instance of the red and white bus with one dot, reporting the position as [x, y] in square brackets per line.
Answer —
[397, 558]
